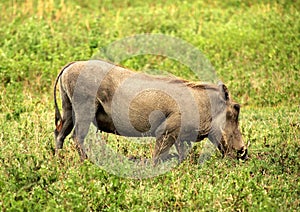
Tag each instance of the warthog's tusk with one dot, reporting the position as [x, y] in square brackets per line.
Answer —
[243, 153]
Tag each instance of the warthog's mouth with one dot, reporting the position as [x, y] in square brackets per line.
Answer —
[242, 154]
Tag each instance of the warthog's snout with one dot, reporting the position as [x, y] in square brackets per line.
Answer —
[242, 153]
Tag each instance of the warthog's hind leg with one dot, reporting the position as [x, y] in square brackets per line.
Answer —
[65, 129]
[80, 132]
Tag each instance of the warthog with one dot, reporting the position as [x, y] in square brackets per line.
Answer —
[123, 102]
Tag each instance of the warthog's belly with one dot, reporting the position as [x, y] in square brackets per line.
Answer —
[141, 116]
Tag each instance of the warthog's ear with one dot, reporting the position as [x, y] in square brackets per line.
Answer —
[224, 91]
[237, 107]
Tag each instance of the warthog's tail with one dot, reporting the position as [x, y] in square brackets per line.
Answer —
[57, 113]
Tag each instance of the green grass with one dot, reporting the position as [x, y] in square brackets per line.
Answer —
[255, 49]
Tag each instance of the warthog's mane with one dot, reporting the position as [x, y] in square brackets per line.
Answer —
[202, 86]
[196, 85]
[175, 80]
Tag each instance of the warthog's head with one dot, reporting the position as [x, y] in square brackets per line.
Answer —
[225, 132]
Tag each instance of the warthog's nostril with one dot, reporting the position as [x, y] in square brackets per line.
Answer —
[242, 154]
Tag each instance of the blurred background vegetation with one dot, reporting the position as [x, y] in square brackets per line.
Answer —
[253, 45]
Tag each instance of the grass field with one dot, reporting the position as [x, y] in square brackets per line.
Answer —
[254, 47]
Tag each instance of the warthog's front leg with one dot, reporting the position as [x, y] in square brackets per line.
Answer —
[162, 147]
[182, 148]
